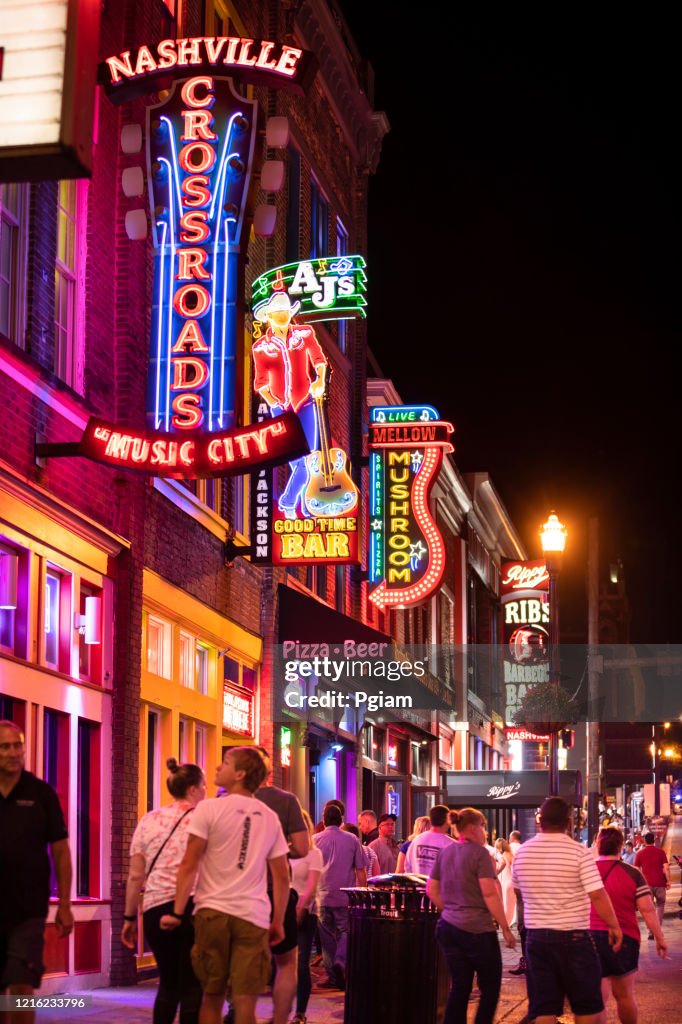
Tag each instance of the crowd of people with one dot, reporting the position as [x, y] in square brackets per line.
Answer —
[237, 891]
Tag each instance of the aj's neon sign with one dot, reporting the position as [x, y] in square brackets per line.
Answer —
[332, 288]
[407, 554]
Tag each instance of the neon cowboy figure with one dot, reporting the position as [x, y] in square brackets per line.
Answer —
[282, 359]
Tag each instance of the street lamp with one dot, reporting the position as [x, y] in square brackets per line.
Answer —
[553, 538]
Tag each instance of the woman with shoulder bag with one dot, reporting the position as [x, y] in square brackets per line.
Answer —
[156, 851]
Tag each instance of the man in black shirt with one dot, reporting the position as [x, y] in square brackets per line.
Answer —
[30, 820]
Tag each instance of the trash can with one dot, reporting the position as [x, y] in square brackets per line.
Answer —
[395, 970]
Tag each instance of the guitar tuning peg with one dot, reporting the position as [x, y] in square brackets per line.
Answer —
[136, 225]
[272, 175]
[131, 138]
[264, 220]
[132, 182]
[277, 132]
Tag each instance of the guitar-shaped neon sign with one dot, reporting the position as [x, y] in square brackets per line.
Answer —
[200, 143]
[330, 491]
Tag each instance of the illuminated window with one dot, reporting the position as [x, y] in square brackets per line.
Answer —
[89, 655]
[200, 746]
[183, 740]
[9, 597]
[210, 492]
[153, 740]
[56, 756]
[13, 234]
[158, 647]
[201, 668]
[319, 222]
[87, 838]
[56, 621]
[293, 240]
[341, 250]
[186, 666]
[68, 265]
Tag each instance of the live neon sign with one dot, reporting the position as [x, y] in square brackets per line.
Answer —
[407, 553]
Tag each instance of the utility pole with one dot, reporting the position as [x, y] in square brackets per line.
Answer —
[592, 725]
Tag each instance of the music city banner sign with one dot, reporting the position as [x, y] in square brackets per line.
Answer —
[406, 550]
[201, 154]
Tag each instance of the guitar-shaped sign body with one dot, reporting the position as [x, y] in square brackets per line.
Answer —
[330, 490]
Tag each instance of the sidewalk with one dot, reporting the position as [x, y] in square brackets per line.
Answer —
[659, 983]
[659, 992]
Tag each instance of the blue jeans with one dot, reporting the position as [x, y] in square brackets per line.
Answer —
[296, 484]
[334, 924]
[469, 953]
[562, 964]
[306, 935]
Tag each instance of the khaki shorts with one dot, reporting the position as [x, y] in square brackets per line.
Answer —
[230, 953]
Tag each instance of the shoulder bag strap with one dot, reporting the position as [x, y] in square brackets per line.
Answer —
[163, 844]
[615, 862]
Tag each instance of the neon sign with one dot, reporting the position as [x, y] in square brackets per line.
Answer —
[200, 146]
[237, 710]
[325, 289]
[314, 518]
[524, 596]
[196, 454]
[285, 743]
[407, 554]
[524, 736]
[259, 61]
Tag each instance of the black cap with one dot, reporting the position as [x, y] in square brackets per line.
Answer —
[387, 817]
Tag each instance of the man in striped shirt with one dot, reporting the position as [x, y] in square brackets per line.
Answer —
[557, 880]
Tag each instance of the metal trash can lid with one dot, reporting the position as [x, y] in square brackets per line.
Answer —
[392, 880]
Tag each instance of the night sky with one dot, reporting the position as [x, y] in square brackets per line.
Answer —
[524, 268]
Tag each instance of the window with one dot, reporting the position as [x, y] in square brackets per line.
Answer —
[200, 746]
[158, 647]
[293, 227]
[56, 766]
[201, 668]
[239, 514]
[341, 250]
[89, 655]
[87, 838]
[9, 597]
[231, 670]
[183, 740]
[57, 650]
[186, 667]
[70, 221]
[13, 233]
[153, 737]
[210, 492]
[249, 678]
[339, 588]
[319, 222]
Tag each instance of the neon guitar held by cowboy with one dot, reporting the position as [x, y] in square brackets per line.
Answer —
[284, 357]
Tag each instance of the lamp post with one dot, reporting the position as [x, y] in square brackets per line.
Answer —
[553, 538]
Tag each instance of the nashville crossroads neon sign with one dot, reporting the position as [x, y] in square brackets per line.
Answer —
[407, 554]
[261, 61]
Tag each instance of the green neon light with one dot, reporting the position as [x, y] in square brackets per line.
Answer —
[332, 288]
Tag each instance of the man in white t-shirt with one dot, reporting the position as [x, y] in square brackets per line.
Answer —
[557, 879]
[514, 842]
[232, 844]
[424, 848]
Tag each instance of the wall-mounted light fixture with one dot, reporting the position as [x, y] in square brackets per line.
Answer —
[90, 624]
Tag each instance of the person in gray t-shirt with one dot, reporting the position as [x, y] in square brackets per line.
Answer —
[344, 866]
[464, 888]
